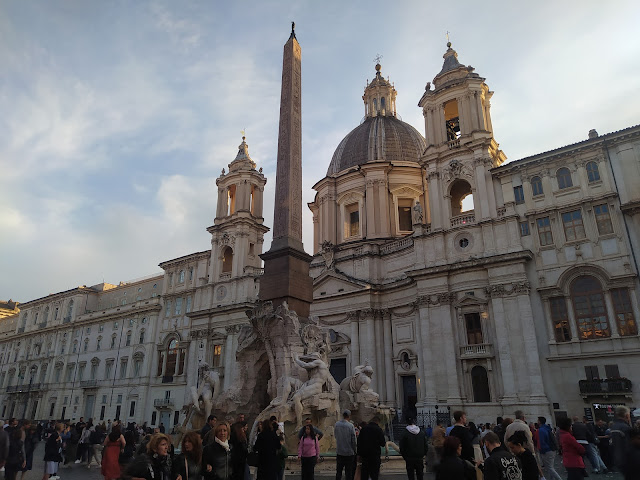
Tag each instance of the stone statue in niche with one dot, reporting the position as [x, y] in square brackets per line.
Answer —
[417, 216]
[327, 251]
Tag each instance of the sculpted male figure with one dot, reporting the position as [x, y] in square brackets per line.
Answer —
[209, 389]
[318, 375]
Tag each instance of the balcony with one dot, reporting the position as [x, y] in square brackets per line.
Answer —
[89, 384]
[464, 219]
[454, 144]
[605, 388]
[161, 403]
[479, 350]
[23, 388]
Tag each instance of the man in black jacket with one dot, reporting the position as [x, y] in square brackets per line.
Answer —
[500, 465]
[413, 448]
[370, 440]
[461, 431]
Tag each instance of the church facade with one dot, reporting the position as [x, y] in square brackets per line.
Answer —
[464, 281]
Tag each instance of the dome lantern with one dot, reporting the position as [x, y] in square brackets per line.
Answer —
[379, 96]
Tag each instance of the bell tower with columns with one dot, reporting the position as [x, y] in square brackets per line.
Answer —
[461, 148]
[238, 232]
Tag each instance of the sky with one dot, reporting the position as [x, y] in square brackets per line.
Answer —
[118, 116]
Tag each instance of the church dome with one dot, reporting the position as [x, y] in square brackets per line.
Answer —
[382, 136]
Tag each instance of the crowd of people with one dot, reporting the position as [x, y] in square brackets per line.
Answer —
[508, 449]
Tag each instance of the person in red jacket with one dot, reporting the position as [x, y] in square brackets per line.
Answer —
[572, 451]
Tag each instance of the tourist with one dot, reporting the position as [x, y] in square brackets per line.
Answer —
[632, 461]
[210, 425]
[282, 457]
[520, 424]
[16, 460]
[369, 442]
[239, 451]
[602, 432]
[585, 434]
[528, 463]
[572, 451]
[232, 431]
[216, 456]
[187, 465]
[155, 464]
[316, 430]
[161, 428]
[267, 445]
[500, 464]
[451, 466]
[129, 450]
[4, 445]
[620, 430]
[547, 447]
[345, 435]
[437, 441]
[308, 452]
[30, 443]
[52, 452]
[114, 442]
[413, 448]
[461, 431]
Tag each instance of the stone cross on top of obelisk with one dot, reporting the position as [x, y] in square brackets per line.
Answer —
[286, 265]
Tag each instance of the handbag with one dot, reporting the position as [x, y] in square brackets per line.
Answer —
[252, 459]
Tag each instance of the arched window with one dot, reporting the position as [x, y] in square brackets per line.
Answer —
[593, 173]
[461, 198]
[181, 276]
[128, 339]
[231, 200]
[75, 347]
[98, 343]
[480, 383]
[227, 260]
[141, 339]
[375, 105]
[564, 178]
[590, 309]
[113, 341]
[86, 345]
[536, 186]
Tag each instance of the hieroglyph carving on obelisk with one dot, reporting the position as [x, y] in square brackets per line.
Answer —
[287, 224]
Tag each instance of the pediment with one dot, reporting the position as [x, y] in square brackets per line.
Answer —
[333, 283]
[470, 301]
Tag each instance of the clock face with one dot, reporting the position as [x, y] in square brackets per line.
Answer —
[222, 292]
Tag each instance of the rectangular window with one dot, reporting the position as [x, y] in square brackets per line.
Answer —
[573, 227]
[94, 371]
[113, 342]
[352, 220]
[128, 341]
[404, 215]
[132, 408]
[474, 328]
[524, 229]
[217, 355]
[187, 308]
[102, 409]
[70, 372]
[118, 409]
[603, 219]
[518, 193]
[178, 306]
[123, 369]
[115, 325]
[104, 399]
[107, 370]
[544, 231]
[154, 417]
[624, 312]
[168, 308]
[81, 372]
[560, 319]
[591, 371]
[119, 400]
[612, 371]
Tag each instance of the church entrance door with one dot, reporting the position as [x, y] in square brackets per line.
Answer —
[409, 397]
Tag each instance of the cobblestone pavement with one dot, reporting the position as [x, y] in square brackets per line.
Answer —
[81, 472]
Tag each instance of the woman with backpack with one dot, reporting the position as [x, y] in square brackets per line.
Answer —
[53, 453]
[16, 460]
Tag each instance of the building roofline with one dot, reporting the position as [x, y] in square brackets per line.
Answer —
[556, 152]
[184, 257]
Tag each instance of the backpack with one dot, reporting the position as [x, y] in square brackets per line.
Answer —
[553, 443]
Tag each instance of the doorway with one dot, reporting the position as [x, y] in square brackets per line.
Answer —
[409, 397]
[165, 419]
[88, 406]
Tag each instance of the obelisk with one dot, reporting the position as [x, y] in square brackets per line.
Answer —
[286, 264]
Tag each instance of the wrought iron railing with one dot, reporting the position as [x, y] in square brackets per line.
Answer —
[163, 402]
[609, 386]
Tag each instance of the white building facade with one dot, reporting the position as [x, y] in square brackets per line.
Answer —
[524, 298]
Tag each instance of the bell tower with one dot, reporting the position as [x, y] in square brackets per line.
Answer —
[461, 148]
[238, 231]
